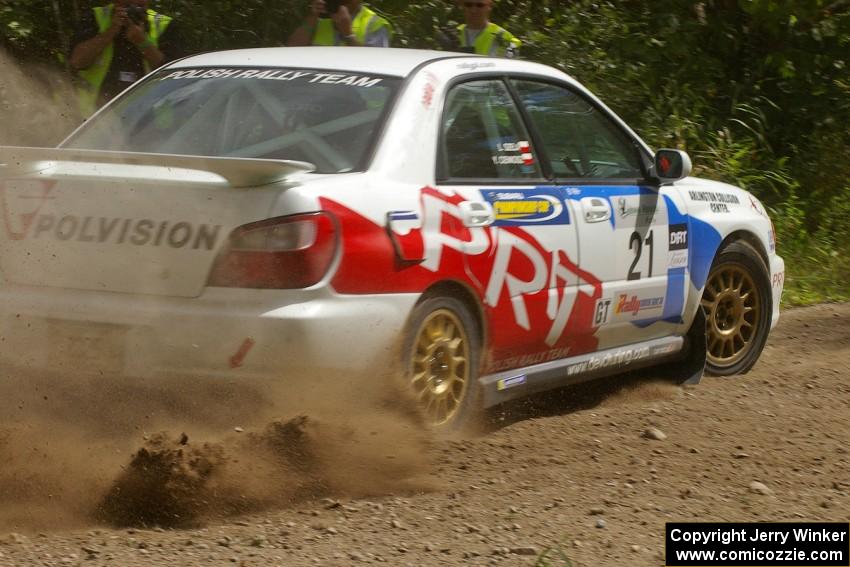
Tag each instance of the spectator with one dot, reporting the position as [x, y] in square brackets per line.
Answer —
[345, 22]
[115, 46]
[479, 35]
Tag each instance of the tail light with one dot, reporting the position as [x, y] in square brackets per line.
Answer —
[280, 253]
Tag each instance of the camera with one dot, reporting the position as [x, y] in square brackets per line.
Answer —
[137, 14]
[331, 7]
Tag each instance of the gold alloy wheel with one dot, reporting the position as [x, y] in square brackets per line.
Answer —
[733, 305]
[440, 369]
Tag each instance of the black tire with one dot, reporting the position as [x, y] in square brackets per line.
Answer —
[738, 305]
[441, 348]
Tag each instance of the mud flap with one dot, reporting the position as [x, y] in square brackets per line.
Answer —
[691, 369]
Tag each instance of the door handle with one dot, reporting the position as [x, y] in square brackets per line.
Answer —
[476, 214]
[595, 209]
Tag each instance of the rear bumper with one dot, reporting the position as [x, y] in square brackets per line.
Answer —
[223, 333]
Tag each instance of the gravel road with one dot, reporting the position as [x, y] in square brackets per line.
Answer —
[590, 474]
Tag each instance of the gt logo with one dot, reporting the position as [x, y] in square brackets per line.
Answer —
[602, 311]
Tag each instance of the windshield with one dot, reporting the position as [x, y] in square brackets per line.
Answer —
[327, 118]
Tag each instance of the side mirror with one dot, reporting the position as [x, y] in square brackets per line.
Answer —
[671, 165]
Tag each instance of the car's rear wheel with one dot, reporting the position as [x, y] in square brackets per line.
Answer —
[441, 355]
[737, 304]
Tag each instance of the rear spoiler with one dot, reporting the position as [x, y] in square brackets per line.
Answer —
[238, 172]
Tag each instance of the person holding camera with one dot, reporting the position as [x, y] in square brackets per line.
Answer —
[342, 22]
[479, 35]
[116, 45]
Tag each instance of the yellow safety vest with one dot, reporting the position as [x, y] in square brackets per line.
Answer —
[94, 75]
[366, 22]
[493, 40]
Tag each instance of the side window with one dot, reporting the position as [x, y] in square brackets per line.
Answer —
[580, 141]
[483, 136]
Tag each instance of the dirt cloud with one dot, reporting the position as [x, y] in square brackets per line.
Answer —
[77, 450]
[37, 105]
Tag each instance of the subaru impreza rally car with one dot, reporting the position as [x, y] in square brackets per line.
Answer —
[259, 213]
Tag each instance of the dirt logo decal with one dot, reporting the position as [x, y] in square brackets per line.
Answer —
[21, 201]
[677, 256]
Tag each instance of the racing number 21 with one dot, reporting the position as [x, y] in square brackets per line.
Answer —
[636, 243]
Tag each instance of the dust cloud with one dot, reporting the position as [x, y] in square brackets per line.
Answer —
[643, 392]
[37, 104]
[79, 450]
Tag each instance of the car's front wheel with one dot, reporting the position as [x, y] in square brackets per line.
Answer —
[442, 357]
[737, 304]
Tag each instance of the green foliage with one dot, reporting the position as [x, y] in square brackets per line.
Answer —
[20, 26]
[758, 91]
[818, 263]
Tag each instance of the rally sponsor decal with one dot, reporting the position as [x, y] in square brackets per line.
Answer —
[428, 95]
[664, 349]
[778, 280]
[635, 305]
[525, 207]
[429, 89]
[679, 259]
[531, 359]
[325, 78]
[111, 230]
[21, 202]
[473, 66]
[678, 237]
[512, 382]
[756, 206]
[620, 357]
[25, 219]
[627, 207]
[677, 256]
[602, 311]
[718, 201]
[521, 281]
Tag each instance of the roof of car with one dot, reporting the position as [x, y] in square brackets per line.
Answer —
[397, 62]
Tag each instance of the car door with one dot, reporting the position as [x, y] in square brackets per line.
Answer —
[622, 220]
[520, 244]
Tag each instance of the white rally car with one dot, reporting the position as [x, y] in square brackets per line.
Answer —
[261, 213]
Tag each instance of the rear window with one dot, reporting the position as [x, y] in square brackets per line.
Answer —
[328, 118]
